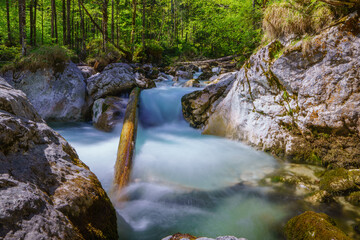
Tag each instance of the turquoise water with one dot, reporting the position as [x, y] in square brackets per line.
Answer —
[182, 181]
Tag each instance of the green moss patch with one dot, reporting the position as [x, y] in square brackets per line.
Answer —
[315, 226]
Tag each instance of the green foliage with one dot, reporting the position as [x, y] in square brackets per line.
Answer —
[8, 54]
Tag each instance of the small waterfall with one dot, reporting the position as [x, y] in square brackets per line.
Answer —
[162, 105]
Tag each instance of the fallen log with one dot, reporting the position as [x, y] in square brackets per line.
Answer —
[209, 61]
[127, 143]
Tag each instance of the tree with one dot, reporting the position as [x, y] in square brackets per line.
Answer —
[104, 23]
[54, 32]
[8, 22]
[22, 26]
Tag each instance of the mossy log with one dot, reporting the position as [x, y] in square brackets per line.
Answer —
[127, 142]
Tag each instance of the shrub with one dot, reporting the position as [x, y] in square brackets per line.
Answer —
[54, 57]
[295, 18]
[99, 58]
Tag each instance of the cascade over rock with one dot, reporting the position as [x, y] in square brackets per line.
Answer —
[56, 96]
[301, 100]
[46, 192]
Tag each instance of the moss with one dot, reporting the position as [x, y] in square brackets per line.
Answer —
[98, 221]
[54, 57]
[338, 181]
[314, 226]
[354, 198]
[275, 50]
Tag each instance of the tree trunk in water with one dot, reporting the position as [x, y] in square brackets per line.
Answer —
[68, 26]
[133, 26]
[104, 23]
[8, 22]
[22, 26]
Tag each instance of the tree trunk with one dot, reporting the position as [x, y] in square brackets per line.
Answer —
[68, 26]
[34, 21]
[82, 27]
[8, 22]
[22, 26]
[64, 20]
[143, 23]
[112, 21]
[42, 22]
[56, 28]
[104, 23]
[53, 14]
[133, 25]
[31, 21]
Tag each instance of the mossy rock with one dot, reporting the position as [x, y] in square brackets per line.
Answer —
[339, 181]
[354, 198]
[314, 226]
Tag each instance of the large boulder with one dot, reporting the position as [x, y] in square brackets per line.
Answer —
[301, 100]
[57, 96]
[108, 112]
[313, 226]
[46, 192]
[116, 78]
[199, 105]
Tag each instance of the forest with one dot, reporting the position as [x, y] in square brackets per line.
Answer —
[151, 30]
[136, 30]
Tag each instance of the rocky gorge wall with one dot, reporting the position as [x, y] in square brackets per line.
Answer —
[46, 192]
[300, 100]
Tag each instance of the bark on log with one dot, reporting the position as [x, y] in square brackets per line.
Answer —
[209, 61]
[127, 143]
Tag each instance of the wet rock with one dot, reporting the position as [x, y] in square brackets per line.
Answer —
[184, 74]
[87, 71]
[205, 76]
[115, 79]
[311, 225]
[340, 181]
[144, 82]
[57, 96]
[108, 112]
[46, 192]
[180, 236]
[354, 198]
[192, 83]
[198, 105]
[300, 101]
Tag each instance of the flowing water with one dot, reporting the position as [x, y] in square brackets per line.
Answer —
[182, 181]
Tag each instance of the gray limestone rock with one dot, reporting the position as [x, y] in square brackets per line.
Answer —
[116, 78]
[55, 96]
[46, 192]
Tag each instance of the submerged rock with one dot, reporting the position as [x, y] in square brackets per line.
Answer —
[46, 192]
[315, 226]
[116, 78]
[192, 83]
[108, 112]
[301, 101]
[57, 96]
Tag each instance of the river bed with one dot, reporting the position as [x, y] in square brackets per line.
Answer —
[182, 181]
